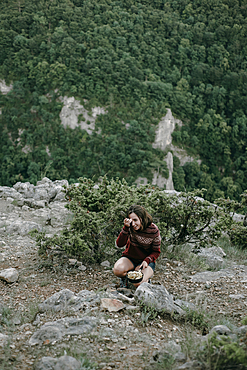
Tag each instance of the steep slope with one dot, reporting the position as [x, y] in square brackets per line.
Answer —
[135, 59]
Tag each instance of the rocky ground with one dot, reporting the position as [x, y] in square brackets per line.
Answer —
[101, 328]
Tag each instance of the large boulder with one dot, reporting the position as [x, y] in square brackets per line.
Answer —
[66, 300]
[158, 298]
[213, 257]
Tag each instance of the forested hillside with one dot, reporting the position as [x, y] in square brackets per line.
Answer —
[136, 59]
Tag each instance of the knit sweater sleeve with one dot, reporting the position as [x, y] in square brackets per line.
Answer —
[155, 248]
[123, 237]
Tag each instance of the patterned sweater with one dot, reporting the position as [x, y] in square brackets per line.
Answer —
[140, 245]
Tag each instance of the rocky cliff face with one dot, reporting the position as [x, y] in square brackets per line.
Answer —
[73, 110]
[163, 141]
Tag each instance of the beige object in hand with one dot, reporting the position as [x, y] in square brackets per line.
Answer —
[134, 275]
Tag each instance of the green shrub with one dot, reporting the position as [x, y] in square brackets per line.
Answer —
[99, 211]
[224, 353]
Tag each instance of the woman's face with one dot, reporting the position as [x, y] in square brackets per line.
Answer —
[136, 222]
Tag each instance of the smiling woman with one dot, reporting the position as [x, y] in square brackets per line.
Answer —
[141, 238]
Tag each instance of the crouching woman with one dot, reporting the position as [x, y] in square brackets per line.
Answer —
[141, 238]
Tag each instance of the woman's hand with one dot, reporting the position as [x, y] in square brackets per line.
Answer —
[127, 222]
[142, 266]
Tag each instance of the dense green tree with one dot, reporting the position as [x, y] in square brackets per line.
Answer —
[135, 58]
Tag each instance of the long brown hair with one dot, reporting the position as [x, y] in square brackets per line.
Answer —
[145, 218]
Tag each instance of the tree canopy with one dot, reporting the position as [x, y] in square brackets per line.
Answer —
[136, 59]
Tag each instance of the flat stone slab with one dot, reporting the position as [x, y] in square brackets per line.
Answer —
[56, 330]
[61, 363]
[10, 275]
[22, 227]
[67, 300]
[112, 305]
[208, 276]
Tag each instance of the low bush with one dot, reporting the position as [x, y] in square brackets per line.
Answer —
[99, 211]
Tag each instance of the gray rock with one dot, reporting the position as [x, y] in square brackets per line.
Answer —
[105, 264]
[242, 330]
[157, 297]
[20, 202]
[211, 260]
[25, 189]
[115, 294]
[10, 275]
[208, 276]
[6, 192]
[82, 267]
[36, 196]
[25, 208]
[236, 296]
[67, 363]
[61, 183]
[180, 357]
[3, 340]
[67, 300]
[59, 197]
[221, 330]
[218, 251]
[186, 304]
[72, 261]
[61, 363]
[44, 182]
[16, 321]
[172, 347]
[22, 227]
[46, 363]
[195, 365]
[36, 204]
[56, 330]
[2, 257]
[41, 194]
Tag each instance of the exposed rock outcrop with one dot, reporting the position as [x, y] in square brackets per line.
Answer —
[73, 114]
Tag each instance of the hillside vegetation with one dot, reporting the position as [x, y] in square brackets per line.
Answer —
[136, 59]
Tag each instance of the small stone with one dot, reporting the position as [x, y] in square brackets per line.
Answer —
[72, 261]
[16, 321]
[10, 275]
[25, 208]
[105, 264]
[221, 329]
[131, 308]
[82, 268]
[112, 305]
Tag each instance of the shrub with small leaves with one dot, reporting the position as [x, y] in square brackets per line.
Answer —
[99, 210]
[236, 231]
[224, 353]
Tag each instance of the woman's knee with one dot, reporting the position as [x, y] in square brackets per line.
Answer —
[118, 269]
